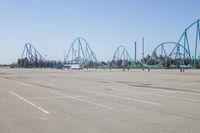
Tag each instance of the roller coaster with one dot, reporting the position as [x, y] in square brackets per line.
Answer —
[121, 57]
[182, 53]
[80, 54]
[31, 53]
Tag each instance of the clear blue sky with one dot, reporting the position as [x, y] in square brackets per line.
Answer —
[52, 25]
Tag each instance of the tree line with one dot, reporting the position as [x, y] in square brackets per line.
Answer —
[26, 63]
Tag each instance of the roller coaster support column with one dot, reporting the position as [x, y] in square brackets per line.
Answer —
[197, 38]
[135, 52]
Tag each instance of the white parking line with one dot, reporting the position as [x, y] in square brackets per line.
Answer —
[29, 102]
[122, 97]
[177, 98]
[22, 83]
[160, 95]
[43, 98]
[80, 98]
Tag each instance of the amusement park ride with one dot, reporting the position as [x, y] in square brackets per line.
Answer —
[80, 55]
[31, 53]
[183, 53]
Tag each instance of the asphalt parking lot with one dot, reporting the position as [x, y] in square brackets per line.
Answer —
[98, 101]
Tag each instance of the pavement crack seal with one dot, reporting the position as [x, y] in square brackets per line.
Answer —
[29, 102]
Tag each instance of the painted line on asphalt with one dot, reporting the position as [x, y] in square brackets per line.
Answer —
[156, 90]
[80, 98]
[29, 102]
[160, 95]
[43, 98]
[126, 92]
[177, 98]
[72, 97]
[122, 97]
[22, 83]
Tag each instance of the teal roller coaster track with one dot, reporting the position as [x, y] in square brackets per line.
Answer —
[31, 53]
[184, 52]
[80, 53]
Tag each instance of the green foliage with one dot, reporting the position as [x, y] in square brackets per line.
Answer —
[25, 63]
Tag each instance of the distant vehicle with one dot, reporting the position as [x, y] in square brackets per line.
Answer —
[60, 66]
[74, 66]
[186, 66]
[172, 66]
[66, 66]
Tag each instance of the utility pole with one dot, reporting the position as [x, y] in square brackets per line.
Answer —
[135, 51]
[143, 49]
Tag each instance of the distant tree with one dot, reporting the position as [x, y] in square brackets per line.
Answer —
[25, 63]
[19, 63]
[187, 61]
[119, 63]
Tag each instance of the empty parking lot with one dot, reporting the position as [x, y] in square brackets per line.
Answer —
[97, 101]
